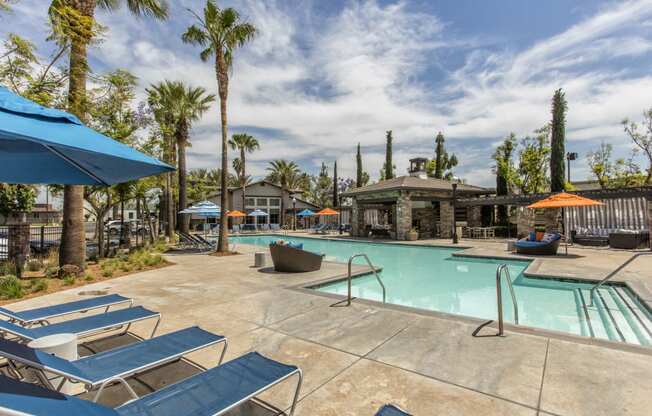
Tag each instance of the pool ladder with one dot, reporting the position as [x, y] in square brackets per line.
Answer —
[613, 273]
[499, 296]
[373, 269]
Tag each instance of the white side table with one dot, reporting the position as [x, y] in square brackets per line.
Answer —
[511, 245]
[60, 345]
[259, 259]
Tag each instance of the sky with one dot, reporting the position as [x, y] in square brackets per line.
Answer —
[322, 76]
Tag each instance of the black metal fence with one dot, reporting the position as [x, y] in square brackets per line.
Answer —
[42, 239]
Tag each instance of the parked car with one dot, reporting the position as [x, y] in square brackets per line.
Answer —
[134, 226]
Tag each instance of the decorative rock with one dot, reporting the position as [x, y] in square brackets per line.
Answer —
[70, 270]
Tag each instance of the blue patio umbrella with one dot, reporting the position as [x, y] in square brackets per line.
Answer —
[306, 213]
[257, 213]
[206, 209]
[40, 145]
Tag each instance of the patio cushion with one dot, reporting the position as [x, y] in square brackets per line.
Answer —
[64, 308]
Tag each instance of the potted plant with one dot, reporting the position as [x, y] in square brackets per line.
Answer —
[412, 235]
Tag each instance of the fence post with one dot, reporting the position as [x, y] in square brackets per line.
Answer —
[42, 238]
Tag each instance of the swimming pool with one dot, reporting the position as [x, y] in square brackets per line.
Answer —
[431, 278]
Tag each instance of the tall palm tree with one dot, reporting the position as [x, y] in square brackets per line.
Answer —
[246, 144]
[220, 32]
[285, 174]
[79, 33]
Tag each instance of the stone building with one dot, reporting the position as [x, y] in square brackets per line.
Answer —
[412, 201]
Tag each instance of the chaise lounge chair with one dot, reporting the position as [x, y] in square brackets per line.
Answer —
[548, 245]
[211, 393]
[43, 315]
[112, 366]
[86, 326]
[391, 410]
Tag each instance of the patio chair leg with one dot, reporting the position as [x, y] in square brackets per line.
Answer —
[120, 380]
[296, 393]
[158, 321]
[226, 344]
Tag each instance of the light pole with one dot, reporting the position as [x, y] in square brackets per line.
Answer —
[455, 240]
[294, 209]
[570, 156]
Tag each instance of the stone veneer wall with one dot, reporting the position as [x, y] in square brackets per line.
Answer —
[446, 219]
[357, 219]
[524, 221]
[403, 216]
[18, 244]
[474, 216]
[427, 223]
[649, 218]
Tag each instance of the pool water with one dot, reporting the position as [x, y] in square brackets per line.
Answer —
[431, 278]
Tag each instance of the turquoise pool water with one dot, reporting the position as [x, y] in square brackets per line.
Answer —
[431, 278]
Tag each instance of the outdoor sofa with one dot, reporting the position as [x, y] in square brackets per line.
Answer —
[547, 246]
[629, 239]
[290, 258]
[391, 410]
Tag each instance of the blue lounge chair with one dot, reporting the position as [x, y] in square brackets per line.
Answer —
[86, 326]
[43, 315]
[112, 366]
[274, 227]
[211, 393]
[391, 410]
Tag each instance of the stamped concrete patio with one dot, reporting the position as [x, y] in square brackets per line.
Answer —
[357, 358]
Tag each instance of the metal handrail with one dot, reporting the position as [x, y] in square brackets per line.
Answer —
[373, 269]
[613, 273]
[499, 296]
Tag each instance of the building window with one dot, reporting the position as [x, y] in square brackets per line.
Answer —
[261, 202]
[250, 202]
[274, 202]
[274, 215]
[131, 215]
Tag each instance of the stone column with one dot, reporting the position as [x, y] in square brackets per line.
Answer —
[649, 219]
[357, 219]
[446, 218]
[403, 215]
[524, 221]
[553, 219]
[18, 245]
[474, 216]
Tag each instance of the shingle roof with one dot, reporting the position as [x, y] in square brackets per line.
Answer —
[413, 183]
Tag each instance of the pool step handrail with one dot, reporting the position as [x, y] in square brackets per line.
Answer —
[373, 269]
[499, 296]
[615, 272]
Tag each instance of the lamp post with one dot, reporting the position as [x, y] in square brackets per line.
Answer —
[570, 156]
[455, 240]
[294, 209]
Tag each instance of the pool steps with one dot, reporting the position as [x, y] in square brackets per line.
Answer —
[616, 315]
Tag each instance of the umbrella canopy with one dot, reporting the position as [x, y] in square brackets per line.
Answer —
[562, 200]
[327, 211]
[40, 145]
[257, 213]
[236, 214]
[203, 208]
[306, 213]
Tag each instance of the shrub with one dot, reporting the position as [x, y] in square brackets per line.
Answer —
[69, 280]
[89, 278]
[34, 265]
[7, 267]
[39, 285]
[53, 258]
[11, 287]
[107, 272]
[126, 266]
[52, 271]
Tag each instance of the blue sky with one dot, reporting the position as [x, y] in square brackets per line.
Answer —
[325, 75]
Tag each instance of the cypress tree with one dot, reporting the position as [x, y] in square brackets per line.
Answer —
[557, 142]
[358, 171]
[335, 196]
[440, 155]
[389, 171]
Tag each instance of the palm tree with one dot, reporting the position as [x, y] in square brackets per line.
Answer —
[220, 32]
[77, 31]
[285, 174]
[246, 144]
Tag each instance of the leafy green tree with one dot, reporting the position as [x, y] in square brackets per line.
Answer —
[600, 163]
[73, 23]
[245, 143]
[285, 174]
[441, 166]
[220, 32]
[558, 142]
[505, 172]
[336, 198]
[531, 175]
[5, 5]
[16, 198]
[322, 188]
[388, 167]
[641, 136]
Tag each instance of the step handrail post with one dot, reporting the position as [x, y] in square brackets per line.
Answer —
[499, 296]
[613, 273]
[349, 277]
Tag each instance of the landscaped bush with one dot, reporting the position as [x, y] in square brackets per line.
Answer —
[11, 287]
[39, 285]
[51, 272]
[7, 267]
[69, 279]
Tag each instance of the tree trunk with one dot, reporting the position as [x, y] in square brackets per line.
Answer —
[183, 220]
[244, 177]
[73, 240]
[223, 87]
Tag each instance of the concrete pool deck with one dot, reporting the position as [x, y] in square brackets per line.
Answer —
[357, 358]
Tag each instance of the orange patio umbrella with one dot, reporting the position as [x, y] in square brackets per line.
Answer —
[327, 211]
[236, 214]
[564, 200]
